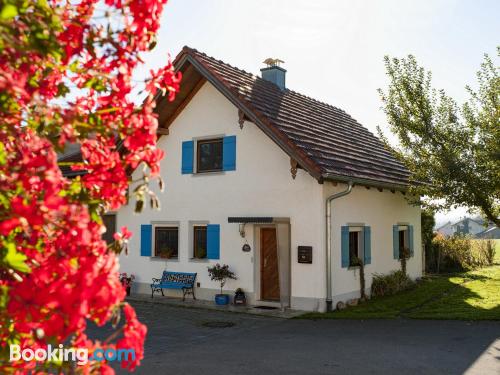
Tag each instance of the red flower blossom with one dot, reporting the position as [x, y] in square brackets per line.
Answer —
[71, 82]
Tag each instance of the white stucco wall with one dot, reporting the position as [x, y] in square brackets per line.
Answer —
[380, 211]
[261, 186]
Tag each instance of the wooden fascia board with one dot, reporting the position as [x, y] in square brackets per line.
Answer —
[184, 103]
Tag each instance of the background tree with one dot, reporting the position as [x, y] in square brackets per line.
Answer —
[452, 152]
[427, 224]
[66, 77]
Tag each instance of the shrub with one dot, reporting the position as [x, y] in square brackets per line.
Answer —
[460, 253]
[484, 251]
[221, 273]
[396, 281]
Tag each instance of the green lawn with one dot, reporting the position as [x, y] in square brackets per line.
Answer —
[473, 295]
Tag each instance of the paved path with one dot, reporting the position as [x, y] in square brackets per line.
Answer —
[179, 343]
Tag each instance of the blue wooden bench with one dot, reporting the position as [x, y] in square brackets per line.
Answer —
[174, 280]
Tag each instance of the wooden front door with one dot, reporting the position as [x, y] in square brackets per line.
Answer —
[269, 274]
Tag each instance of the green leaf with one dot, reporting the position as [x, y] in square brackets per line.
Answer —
[4, 296]
[3, 154]
[8, 11]
[15, 259]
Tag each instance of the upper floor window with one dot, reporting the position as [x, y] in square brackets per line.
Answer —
[209, 155]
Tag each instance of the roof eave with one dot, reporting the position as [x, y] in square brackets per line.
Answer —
[365, 182]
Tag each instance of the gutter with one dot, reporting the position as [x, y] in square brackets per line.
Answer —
[365, 182]
[328, 210]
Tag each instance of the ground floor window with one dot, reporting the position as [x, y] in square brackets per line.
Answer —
[200, 241]
[403, 237]
[167, 242]
[354, 246]
[109, 221]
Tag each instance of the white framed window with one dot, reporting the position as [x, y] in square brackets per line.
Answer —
[166, 241]
[403, 239]
[356, 245]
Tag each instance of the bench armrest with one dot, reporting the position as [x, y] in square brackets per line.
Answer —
[155, 280]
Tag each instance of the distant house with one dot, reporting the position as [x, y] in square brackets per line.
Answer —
[491, 233]
[446, 229]
[472, 227]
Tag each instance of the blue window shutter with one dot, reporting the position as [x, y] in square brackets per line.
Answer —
[146, 239]
[368, 245]
[395, 241]
[410, 239]
[187, 157]
[213, 241]
[345, 246]
[229, 153]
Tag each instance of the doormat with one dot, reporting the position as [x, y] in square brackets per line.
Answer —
[265, 307]
[218, 324]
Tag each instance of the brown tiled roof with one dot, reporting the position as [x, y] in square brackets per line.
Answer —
[327, 141]
[323, 139]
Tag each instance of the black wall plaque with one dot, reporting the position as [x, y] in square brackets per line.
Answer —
[305, 254]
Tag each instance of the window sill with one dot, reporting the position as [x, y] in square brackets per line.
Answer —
[164, 259]
[353, 268]
[208, 173]
[199, 260]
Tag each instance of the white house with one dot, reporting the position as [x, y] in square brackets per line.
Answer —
[465, 226]
[284, 189]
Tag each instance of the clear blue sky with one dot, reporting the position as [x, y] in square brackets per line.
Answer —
[333, 50]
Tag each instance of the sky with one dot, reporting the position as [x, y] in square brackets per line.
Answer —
[333, 50]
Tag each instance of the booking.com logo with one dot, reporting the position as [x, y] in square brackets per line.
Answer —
[60, 354]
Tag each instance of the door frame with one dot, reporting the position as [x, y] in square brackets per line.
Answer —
[257, 257]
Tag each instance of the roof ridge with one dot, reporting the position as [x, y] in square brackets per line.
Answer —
[219, 61]
[260, 78]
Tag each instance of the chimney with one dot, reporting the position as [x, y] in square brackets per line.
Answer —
[274, 73]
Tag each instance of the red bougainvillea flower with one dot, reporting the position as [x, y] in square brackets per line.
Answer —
[66, 81]
[124, 235]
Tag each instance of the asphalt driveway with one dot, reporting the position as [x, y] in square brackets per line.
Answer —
[179, 342]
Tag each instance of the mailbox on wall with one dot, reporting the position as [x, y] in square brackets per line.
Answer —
[304, 254]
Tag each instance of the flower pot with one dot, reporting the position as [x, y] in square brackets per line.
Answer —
[221, 299]
[239, 298]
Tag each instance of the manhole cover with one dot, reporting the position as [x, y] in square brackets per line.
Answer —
[266, 307]
[218, 324]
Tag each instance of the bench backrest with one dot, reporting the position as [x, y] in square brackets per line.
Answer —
[184, 278]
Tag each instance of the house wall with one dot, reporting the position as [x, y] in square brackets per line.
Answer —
[380, 211]
[261, 186]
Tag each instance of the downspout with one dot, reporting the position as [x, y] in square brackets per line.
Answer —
[329, 243]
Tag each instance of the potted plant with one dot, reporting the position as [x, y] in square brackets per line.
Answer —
[221, 273]
[201, 254]
[239, 297]
[166, 253]
[127, 281]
